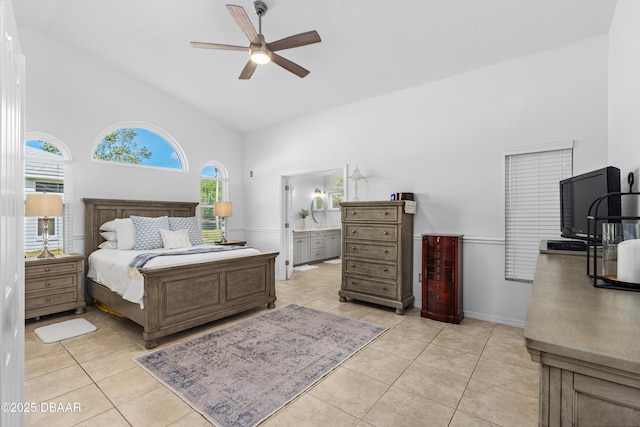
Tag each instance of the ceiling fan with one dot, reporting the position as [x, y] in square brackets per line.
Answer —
[261, 52]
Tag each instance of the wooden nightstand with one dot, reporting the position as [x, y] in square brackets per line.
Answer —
[53, 285]
[232, 243]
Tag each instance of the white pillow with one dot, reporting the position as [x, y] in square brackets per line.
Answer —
[110, 236]
[147, 230]
[175, 239]
[126, 233]
[108, 245]
[191, 224]
[108, 226]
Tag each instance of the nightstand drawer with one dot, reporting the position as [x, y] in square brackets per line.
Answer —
[44, 284]
[44, 299]
[49, 269]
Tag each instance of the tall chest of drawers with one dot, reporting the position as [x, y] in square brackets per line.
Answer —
[53, 285]
[377, 252]
[442, 277]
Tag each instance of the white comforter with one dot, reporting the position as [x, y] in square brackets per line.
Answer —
[109, 267]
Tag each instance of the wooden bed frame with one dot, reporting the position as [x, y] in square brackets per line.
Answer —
[181, 297]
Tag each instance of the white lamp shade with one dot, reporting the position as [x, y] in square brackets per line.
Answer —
[43, 205]
[222, 209]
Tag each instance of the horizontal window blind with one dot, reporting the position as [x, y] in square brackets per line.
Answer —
[532, 206]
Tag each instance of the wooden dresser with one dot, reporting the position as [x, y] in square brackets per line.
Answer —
[442, 277]
[53, 285]
[377, 251]
[587, 342]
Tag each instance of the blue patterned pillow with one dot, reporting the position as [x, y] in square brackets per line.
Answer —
[189, 223]
[148, 231]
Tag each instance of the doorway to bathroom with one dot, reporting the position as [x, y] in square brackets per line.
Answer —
[311, 203]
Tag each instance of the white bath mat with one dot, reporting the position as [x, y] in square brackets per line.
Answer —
[333, 261]
[305, 267]
[64, 330]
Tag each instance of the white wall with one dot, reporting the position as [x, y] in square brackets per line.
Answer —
[624, 87]
[74, 97]
[444, 142]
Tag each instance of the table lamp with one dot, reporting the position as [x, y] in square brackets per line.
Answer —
[43, 205]
[222, 210]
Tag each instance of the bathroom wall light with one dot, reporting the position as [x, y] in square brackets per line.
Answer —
[318, 193]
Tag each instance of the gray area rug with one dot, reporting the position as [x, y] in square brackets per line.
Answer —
[243, 373]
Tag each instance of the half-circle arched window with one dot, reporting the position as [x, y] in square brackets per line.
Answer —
[140, 145]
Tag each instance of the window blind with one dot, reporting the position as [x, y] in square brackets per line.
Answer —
[532, 206]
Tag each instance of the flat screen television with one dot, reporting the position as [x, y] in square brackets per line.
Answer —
[579, 192]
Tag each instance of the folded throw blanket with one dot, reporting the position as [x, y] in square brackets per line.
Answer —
[139, 261]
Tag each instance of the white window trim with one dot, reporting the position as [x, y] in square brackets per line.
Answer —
[147, 126]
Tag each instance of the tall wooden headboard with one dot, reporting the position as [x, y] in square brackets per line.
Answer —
[99, 211]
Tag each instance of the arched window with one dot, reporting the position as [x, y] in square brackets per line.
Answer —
[335, 193]
[47, 169]
[139, 144]
[213, 188]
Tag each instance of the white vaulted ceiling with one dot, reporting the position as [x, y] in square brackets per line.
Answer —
[368, 48]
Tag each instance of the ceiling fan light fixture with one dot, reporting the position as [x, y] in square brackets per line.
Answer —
[260, 56]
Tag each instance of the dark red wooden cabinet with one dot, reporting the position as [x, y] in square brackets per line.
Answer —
[442, 277]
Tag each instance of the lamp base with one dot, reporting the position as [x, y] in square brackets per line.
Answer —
[46, 254]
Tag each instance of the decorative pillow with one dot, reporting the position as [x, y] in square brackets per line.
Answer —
[108, 245]
[175, 239]
[148, 231]
[108, 226]
[110, 236]
[126, 233]
[187, 223]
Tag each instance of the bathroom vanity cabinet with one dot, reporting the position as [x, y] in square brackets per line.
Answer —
[315, 245]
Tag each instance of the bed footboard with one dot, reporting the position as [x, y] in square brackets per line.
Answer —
[182, 297]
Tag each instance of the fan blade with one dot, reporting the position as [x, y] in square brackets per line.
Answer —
[288, 65]
[244, 22]
[248, 70]
[218, 46]
[301, 39]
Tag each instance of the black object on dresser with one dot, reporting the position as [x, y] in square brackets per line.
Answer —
[442, 277]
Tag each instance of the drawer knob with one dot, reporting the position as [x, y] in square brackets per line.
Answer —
[437, 269]
[353, 248]
[47, 284]
[47, 269]
[353, 212]
[353, 231]
[385, 269]
[386, 213]
[384, 289]
[386, 251]
[386, 233]
[438, 297]
[438, 262]
[48, 299]
[438, 286]
[353, 265]
[438, 277]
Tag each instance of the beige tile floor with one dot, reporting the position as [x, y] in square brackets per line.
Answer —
[418, 373]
